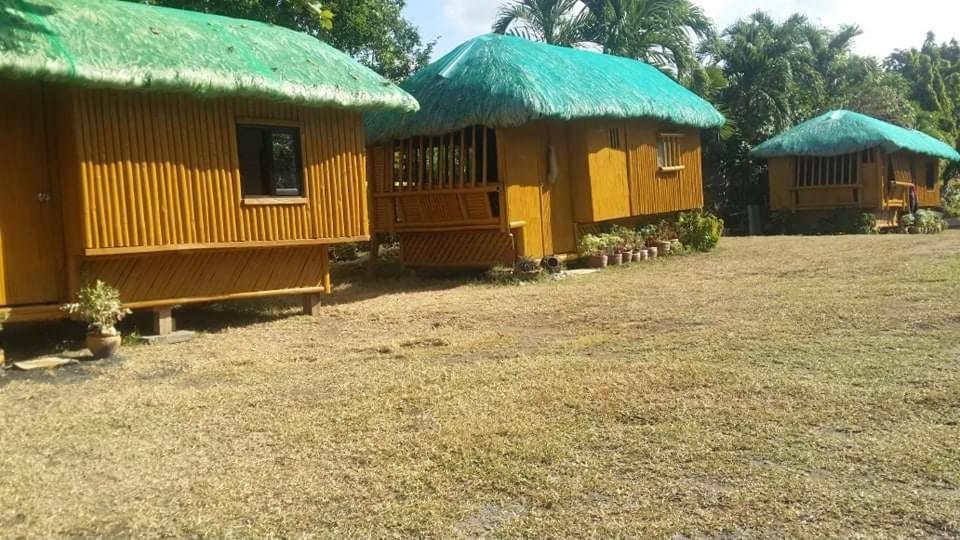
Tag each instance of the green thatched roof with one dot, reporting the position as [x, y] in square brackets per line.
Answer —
[112, 44]
[844, 132]
[502, 81]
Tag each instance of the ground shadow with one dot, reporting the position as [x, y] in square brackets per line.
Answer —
[352, 283]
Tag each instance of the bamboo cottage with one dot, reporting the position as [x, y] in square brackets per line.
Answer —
[843, 159]
[520, 146]
[178, 156]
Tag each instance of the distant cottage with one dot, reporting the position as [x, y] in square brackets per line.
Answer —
[180, 157]
[520, 147]
[844, 159]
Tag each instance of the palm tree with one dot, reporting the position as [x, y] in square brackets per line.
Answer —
[655, 31]
[558, 22]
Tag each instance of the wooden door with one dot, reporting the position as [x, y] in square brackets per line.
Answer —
[31, 245]
[522, 154]
[608, 172]
[557, 199]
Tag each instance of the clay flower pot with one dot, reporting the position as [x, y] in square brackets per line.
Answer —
[627, 257]
[103, 347]
[653, 251]
[597, 261]
[615, 260]
[639, 255]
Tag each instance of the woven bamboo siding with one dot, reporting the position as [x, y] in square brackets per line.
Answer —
[457, 248]
[162, 170]
[187, 277]
[653, 192]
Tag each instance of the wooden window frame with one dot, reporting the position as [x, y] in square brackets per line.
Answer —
[669, 153]
[840, 171]
[931, 172]
[301, 197]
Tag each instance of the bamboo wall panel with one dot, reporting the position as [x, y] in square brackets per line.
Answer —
[163, 170]
[457, 248]
[871, 193]
[31, 242]
[781, 174]
[653, 192]
[926, 196]
[203, 275]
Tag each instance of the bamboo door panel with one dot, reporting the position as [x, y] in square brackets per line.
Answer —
[31, 245]
[523, 164]
[558, 194]
[608, 173]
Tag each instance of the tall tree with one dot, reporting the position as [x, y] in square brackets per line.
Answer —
[772, 75]
[373, 31]
[656, 31]
[557, 22]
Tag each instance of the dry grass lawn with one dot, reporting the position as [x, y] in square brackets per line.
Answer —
[777, 387]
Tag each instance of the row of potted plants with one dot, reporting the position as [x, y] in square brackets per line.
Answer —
[623, 245]
[923, 222]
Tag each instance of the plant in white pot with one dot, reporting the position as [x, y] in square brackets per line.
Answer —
[100, 307]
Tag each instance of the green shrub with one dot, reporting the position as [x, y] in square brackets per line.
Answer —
[824, 222]
[700, 231]
[951, 198]
[924, 221]
[624, 238]
[591, 245]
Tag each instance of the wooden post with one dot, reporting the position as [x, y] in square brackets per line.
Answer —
[163, 323]
[311, 304]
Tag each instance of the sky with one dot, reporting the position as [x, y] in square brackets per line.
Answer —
[887, 25]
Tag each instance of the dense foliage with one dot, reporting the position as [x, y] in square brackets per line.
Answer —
[660, 32]
[700, 231]
[951, 198]
[373, 31]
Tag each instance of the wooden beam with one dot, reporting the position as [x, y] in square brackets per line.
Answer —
[312, 304]
[163, 323]
[220, 246]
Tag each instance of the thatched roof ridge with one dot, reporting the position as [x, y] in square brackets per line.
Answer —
[844, 132]
[502, 81]
[127, 45]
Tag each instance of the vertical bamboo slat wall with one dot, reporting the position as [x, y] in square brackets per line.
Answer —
[653, 192]
[163, 170]
[860, 180]
[429, 182]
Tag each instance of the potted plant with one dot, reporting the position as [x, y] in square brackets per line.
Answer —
[666, 233]
[593, 247]
[908, 223]
[626, 239]
[527, 268]
[614, 250]
[99, 306]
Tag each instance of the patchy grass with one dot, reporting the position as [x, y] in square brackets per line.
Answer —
[777, 387]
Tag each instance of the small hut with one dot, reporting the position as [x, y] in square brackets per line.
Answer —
[178, 156]
[844, 159]
[520, 147]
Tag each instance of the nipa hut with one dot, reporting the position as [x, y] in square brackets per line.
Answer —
[178, 156]
[520, 147]
[844, 159]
